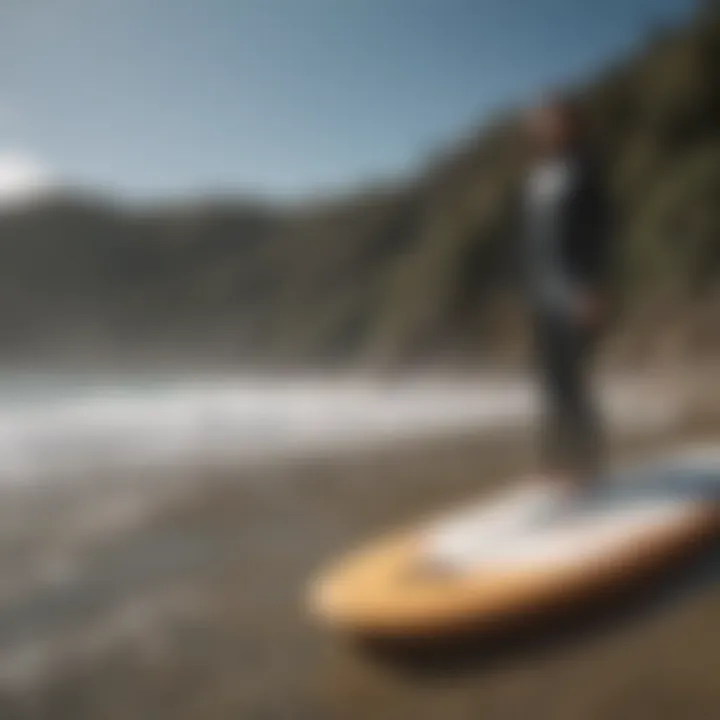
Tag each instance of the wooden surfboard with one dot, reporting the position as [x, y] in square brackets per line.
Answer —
[526, 550]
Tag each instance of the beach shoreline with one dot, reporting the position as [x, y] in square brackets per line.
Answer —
[195, 608]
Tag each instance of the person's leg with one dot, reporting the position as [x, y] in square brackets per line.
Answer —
[580, 417]
[570, 437]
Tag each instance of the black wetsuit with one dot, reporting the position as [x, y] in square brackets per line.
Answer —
[565, 250]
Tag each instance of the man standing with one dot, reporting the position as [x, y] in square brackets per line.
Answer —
[565, 251]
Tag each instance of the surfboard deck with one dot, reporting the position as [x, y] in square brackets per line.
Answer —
[521, 552]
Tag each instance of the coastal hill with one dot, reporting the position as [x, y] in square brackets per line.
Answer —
[410, 272]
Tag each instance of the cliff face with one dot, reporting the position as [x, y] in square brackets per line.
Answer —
[403, 274]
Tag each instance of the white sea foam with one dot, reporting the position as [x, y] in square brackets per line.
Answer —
[133, 426]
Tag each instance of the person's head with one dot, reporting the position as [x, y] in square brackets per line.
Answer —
[554, 126]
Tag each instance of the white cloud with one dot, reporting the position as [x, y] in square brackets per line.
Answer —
[22, 178]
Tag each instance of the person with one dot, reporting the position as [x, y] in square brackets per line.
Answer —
[565, 250]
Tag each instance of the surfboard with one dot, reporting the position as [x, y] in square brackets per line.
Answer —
[525, 550]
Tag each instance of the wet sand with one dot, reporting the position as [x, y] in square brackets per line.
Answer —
[196, 612]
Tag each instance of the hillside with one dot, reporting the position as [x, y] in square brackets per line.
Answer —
[411, 273]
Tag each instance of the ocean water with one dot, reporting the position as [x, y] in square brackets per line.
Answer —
[54, 427]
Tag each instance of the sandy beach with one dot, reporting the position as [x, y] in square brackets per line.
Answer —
[191, 605]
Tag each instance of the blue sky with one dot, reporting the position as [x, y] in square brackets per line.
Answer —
[279, 97]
